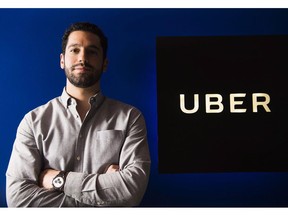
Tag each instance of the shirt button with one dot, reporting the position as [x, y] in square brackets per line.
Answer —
[78, 158]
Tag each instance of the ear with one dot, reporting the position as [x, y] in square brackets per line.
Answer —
[105, 65]
[62, 62]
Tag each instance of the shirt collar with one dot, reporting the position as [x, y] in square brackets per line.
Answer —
[67, 100]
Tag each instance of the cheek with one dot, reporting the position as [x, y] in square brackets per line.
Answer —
[99, 64]
[67, 62]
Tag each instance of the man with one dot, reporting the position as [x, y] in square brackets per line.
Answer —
[80, 149]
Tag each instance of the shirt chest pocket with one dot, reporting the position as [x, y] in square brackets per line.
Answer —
[106, 146]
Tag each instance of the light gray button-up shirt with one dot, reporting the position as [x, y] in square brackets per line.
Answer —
[53, 136]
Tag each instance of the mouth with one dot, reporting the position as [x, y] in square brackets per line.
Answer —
[81, 69]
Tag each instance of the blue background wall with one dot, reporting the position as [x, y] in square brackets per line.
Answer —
[30, 42]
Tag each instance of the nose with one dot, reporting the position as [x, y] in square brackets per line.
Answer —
[82, 57]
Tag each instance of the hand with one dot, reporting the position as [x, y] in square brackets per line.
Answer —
[46, 178]
[112, 168]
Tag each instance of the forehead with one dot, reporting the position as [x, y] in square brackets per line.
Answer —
[83, 38]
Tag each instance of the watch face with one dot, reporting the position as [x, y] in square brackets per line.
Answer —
[58, 182]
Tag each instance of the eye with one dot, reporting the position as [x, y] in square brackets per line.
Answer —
[75, 50]
[93, 52]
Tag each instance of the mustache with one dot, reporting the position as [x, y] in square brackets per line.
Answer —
[85, 65]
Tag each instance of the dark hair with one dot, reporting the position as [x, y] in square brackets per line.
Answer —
[87, 27]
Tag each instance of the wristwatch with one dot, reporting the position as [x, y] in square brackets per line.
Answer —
[59, 181]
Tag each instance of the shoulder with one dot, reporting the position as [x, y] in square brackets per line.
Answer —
[46, 109]
[38, 115]
[123, 112]
[119, 106]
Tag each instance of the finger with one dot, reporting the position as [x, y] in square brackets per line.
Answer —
[112, 168]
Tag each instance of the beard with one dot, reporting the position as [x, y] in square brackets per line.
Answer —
[83, 80]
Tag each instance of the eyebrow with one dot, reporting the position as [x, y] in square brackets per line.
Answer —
[78, 45]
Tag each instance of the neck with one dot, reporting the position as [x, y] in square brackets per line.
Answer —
[82, 94]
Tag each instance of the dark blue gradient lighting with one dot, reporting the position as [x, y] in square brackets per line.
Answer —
[30, 76]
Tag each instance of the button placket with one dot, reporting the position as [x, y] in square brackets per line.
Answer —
[80, 145]
[72, 108]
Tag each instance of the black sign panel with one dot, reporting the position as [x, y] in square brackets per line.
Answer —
[222, 104]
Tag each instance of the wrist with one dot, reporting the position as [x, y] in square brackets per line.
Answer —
[59, 180]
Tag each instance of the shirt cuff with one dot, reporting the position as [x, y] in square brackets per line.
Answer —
[73, 185]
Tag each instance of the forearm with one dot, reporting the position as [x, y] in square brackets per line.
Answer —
[114, 188]
[22, 186]
[24, 193]
[123, 188]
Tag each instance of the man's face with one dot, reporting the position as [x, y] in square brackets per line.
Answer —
[83, 59]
